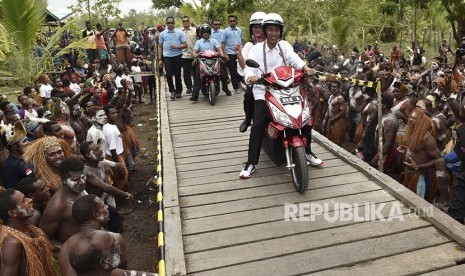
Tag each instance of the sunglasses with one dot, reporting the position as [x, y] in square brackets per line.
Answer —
[232, 20]
[168, 23]
[185, 21]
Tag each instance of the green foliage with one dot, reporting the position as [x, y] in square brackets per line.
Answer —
[22, 20]
[96, 10]
[340, 28]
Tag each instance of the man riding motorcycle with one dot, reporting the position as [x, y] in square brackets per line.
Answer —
[270, 54]
[203, 44]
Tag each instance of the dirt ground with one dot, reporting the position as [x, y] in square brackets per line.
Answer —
[141, 224]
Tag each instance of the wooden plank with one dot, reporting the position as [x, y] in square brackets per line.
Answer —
[280, 228]
[214, 134]
[239, 160]
[174, 249]
[441, 220]
[265, 215]
[204, 127]
[270, 201]
[228, 155]
[293, 244]
[233, 174]
[262, 191]
[209, 142]
[202, 148]
[414, 262]
[174, 246]
[340, 255]
[179, 124]
[219, 170]
[240, 184]
[456, 270]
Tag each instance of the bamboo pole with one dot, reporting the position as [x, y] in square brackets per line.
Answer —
[380, 128]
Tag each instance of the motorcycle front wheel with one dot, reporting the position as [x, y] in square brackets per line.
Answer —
[212, 93]
[300, 171]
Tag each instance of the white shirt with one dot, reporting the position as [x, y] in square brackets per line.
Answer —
[118, 82]
[75, 87]
[273, 60]
[46, 91]
[113, 139]
[136, 69]
[97, 136]
[245, 54]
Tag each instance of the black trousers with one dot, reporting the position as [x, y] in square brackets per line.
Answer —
[235, 77]
[261, 119]
[152, 83]
[197, 84]
[224, 76]
[249, 102]
[187, 71]
[457, 203]
[173, 68]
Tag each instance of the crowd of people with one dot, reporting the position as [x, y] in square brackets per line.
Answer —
[67, 150]
[422, 114]
[68, 146]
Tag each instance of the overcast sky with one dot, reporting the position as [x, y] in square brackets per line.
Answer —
[60, 6]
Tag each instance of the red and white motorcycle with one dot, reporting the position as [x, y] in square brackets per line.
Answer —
[289, 110]
[209, 64]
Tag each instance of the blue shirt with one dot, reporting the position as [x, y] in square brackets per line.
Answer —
[230, 38]
[14, 170]
[202, 45]
[218, 35]
[171, 37]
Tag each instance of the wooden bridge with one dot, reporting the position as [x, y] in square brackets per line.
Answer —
[218, 224]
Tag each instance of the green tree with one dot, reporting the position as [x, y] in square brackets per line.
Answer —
[96, 10]
[456, 17]
[22, 21]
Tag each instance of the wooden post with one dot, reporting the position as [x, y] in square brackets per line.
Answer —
[380, 127]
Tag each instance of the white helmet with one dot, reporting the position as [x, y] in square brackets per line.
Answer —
[273, 19]
[257, 18]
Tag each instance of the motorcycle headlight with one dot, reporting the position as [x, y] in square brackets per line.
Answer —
[305, 114]
[280, 117]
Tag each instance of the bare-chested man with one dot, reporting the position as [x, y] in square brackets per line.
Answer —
[57, 220]
[24, 249]
[75, 121]
[335, 117]
[389, 125]
[36, 190]
[423, 161]
[402, 109]
[91, 213]
[60, 113]
[95, 132]
[366, 142]
[97, 253]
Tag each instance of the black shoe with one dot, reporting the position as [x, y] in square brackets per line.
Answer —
[244, 125]
[178, 96]
[173, 96]
[188, 91]
[193, 99]
[228, 93]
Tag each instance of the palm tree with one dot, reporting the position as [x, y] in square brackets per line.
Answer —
[22, 20]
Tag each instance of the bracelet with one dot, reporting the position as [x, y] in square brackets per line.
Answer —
[129, 195]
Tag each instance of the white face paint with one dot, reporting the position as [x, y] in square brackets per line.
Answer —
[101, 117]
[93, 156]
[115, 260]
[25, 212]
[76, 185]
